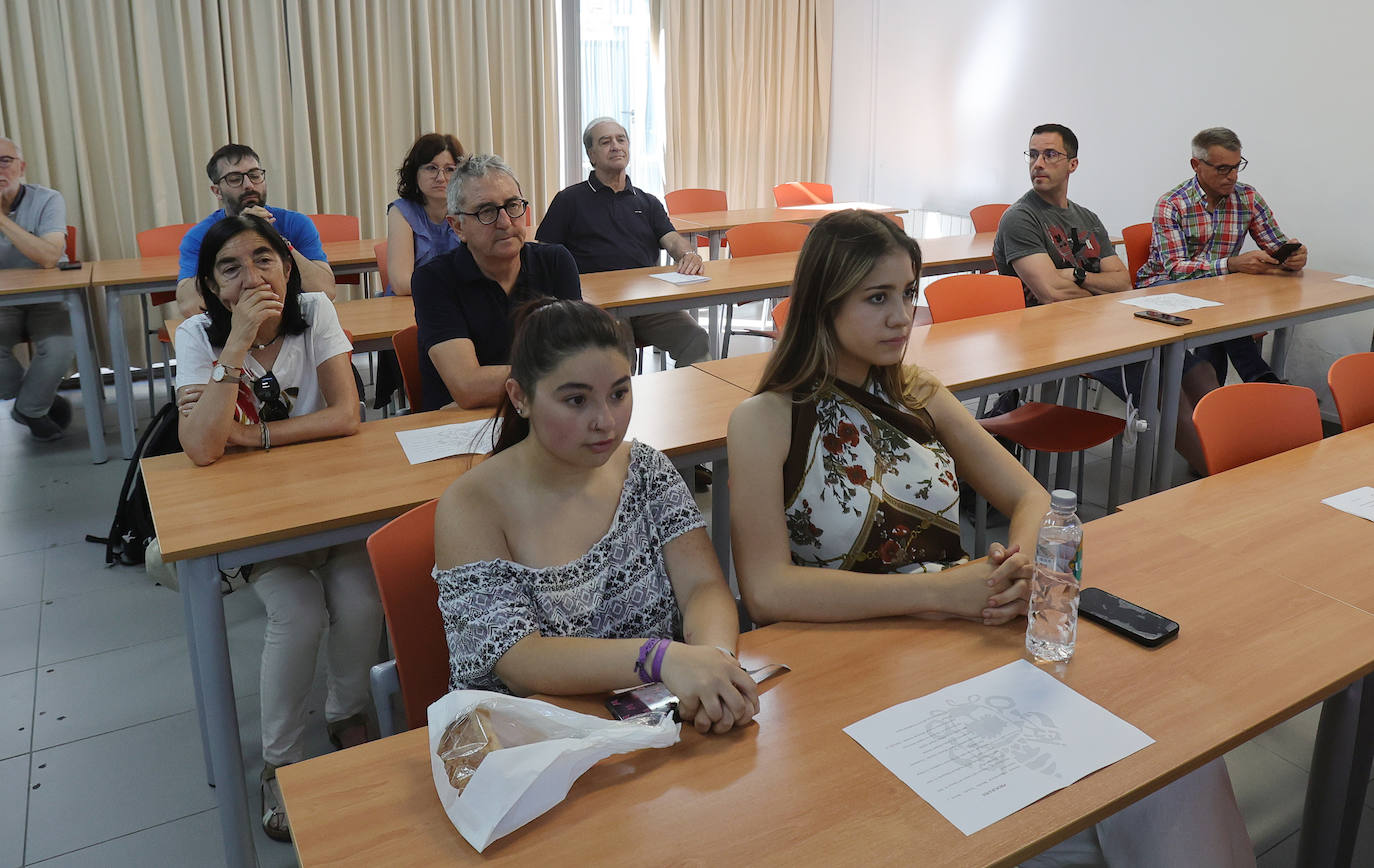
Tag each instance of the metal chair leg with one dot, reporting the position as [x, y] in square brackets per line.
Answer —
[725, 337]
[1114, 475]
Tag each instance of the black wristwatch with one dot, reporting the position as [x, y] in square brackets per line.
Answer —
[1079, 275]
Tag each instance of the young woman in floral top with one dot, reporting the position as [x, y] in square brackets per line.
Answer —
[844, 482]
[564, 556]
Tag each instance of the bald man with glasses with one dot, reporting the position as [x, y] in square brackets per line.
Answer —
[239, 182]
[1199, 228]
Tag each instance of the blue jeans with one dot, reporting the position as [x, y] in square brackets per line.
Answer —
[49, 329]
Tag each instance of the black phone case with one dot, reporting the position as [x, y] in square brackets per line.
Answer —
[1156, 316]
[1097, 606]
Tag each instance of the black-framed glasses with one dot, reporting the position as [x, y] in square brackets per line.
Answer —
[1050, 155]
[431, 171]
[267, 390]
[1227, 168]
[7, 161]
[236, 179]
[488, 214]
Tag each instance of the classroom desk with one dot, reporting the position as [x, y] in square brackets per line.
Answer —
[372, 321]
[40, 285]
[716, 224]
[1249, 303]
[1271, 510]
[795, 789]
[328, 492]
[146, 275]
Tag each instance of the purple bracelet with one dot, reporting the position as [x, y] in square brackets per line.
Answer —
[644, 651]
[662, 649]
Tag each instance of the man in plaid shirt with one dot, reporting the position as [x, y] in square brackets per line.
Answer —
[1199, 228]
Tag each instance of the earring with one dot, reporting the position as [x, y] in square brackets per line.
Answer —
[520, 411]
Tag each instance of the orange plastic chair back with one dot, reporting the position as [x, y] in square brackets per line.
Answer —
[1245, 422]
[759, 239]
[406, 343]
[402, 553]
[162, 241]
[379, 250]
[1351, 379]
[986, 217]
[1137, 240]
[965, 295]
[71, 243]
[802, 193]
[780, 314]
[897, 218]
[693, 199]
[338, 227]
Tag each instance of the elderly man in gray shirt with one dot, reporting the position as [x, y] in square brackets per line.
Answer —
[33, 233]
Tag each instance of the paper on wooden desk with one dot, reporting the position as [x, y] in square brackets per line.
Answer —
[679, 279]
[983, 749]
[1357, 280]
[1358, 502]
[1170, 302]
[441, 441]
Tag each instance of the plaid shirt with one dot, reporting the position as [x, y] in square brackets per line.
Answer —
[1192, 240]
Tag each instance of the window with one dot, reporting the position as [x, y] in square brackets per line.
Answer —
[622, 78]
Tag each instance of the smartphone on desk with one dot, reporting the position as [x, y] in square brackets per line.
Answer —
[1120, 616]
[68, 266]
[1286, 250]
[1166, 318]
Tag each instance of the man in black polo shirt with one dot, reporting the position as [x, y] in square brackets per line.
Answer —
[464, 299]
[608, 224]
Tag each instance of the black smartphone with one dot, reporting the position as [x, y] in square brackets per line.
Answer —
[1286, 250]
[68, 266]
[1166, 318]
[1139, 625]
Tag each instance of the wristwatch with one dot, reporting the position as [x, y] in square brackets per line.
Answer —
[221, 374]
[1079, 275]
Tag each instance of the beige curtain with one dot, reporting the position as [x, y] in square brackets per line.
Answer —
[748, 94]
[119, 103]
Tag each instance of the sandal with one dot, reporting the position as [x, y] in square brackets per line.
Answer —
[274, 821]
[339, 727]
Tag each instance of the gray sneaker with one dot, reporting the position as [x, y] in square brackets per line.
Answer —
[42, 428]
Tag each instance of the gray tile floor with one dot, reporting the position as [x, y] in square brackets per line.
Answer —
[100, 761]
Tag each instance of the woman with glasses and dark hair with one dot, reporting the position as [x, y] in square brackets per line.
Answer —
[416, 228]
[264, 366]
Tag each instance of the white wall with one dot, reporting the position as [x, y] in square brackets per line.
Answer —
[934, 101]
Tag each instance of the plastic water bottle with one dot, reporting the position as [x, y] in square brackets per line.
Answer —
[1053, 621]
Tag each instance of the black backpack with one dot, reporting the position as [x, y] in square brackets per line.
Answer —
[132, 528]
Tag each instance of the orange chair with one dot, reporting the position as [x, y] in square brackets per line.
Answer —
[1351, 379]
[693, 199]
[338, 227]
[406, 343]
[1245, 422]
[897, 218]
[402, 553]
[71, 243]
[986, 217]
[162, 241]
[379, 250]
[1035, 425]
[1137, 238]
[760, 239]
[780, 315]
[802, 193]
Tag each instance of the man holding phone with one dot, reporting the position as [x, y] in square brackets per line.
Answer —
[1199, 228]
[33, 234]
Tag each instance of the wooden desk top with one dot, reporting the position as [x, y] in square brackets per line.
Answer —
[16, 281]
[707, 221]
[164, 269]
[794, 789]
[371, 319]
[250, 498]
[612, 289]
[1271, 510]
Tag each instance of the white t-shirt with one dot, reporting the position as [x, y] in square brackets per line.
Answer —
[297, 364]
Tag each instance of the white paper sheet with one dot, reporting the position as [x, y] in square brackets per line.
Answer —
[1358, 502]
[983, 749]
[1170, 302]
[441, 441]
[838, 206]
[1357, 280]
[679, 279]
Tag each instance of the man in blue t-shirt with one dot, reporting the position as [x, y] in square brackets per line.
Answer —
[239, 182]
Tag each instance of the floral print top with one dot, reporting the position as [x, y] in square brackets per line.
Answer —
[868, 487]
[620, 589]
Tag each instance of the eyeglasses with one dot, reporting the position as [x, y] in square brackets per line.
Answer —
[487, 214]
[6, 162]
[431, 171]
[236, 179]
[1227, 168]
[1050, 155]
[267, 390]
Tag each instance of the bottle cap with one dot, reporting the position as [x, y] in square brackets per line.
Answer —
[1063, 500]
